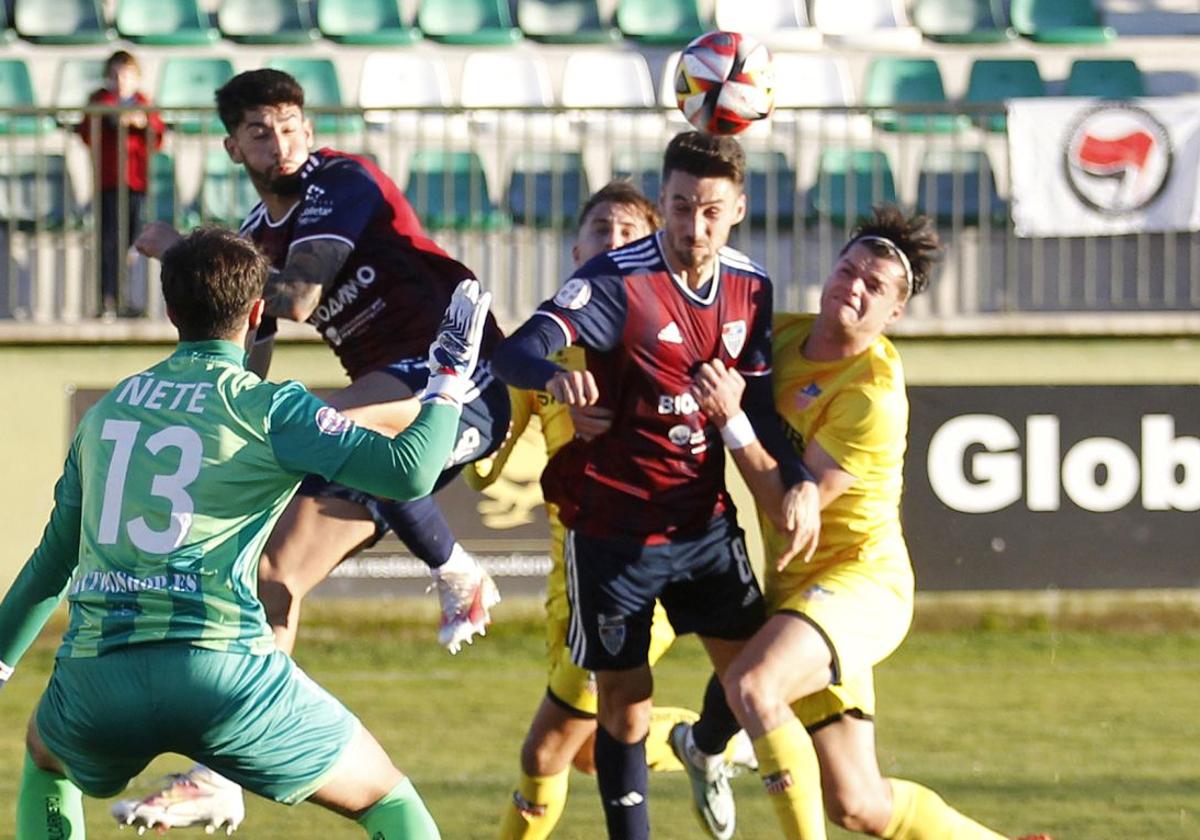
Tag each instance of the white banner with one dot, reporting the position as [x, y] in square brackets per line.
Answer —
[1093, 167]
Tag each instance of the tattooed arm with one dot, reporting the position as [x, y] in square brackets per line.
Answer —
[294, 291]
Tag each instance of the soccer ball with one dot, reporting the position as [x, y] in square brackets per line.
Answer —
[724, 82]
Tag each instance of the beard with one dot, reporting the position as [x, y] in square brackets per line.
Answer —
[284, 186]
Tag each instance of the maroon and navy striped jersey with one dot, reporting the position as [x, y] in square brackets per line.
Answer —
[389, 297]
[659, 472]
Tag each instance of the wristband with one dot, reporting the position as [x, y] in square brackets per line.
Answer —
[448, 386]
[737, 432]
[6, 671]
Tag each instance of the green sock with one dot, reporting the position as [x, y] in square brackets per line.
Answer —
[400, 815]
[49, 807]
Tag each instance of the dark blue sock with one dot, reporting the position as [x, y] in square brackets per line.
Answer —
[717, 723]
[622, 777]
[422, 527]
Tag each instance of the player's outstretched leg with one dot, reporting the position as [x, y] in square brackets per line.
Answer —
[466, 592]
[198, 797]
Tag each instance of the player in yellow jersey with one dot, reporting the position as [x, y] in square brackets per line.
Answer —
[839, 386]
[564, 726]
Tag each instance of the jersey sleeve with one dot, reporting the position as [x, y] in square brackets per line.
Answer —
[43, 580]
[590, 309]
[338, 203]
[861, 426]
[309, 436]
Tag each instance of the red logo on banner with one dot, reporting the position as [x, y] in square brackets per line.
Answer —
[1118, 158]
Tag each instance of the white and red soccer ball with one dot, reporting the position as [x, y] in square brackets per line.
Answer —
[724, 82]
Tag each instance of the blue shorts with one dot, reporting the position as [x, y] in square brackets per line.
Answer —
[482, 427]
[258, 720]
[705, 584]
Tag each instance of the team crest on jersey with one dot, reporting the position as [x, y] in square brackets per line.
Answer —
[680, 435]
[733, 336]
[330, 421]
[612, 632]
[574, 294]
[806, 395]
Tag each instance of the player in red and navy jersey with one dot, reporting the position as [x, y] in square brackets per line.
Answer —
[349, 256]
[645, 504]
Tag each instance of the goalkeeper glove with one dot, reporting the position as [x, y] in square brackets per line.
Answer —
[455, 350]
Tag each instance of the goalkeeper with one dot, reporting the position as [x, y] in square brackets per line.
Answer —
[171, 486]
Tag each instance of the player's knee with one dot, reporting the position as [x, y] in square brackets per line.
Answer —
[752, 698]
[858, 809]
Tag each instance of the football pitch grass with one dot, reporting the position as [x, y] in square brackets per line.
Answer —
[1084, 730]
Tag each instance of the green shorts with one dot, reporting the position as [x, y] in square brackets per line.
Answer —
[258, 720]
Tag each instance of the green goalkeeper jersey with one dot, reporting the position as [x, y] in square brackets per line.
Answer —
[170, 490]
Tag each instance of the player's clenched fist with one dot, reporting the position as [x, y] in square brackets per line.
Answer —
[155, 239]
[573, 387]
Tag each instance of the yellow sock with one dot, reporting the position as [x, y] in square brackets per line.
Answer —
[787, 764]
[659, 755]
[535, 806]
[920, 814]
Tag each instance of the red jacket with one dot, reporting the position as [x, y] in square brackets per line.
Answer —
[138, 142]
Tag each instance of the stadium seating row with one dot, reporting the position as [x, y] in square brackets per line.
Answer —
[790, 23]
[591, 79]
[451, 189]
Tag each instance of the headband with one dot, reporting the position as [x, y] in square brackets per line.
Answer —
[900, 255]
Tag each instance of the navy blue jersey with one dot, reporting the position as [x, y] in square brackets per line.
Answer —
[659, 473]
[388, 299]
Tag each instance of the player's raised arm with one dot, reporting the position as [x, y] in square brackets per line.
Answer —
[294, 291]
[792, 505]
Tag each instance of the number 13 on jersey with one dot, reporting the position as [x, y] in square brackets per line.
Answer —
[173, 487]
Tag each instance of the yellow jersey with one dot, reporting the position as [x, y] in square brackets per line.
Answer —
[856, 409]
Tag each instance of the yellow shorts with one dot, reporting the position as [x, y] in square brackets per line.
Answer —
[864, 611]
[570, 685]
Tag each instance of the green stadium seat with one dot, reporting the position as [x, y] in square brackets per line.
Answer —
[958, 187]
[908, 81]
[372, 23]
[319, 78]
[849, 182]
[770, 189]
[76, 80]
[1110, 78]
[564, 22]
[660, 21]
[962, 21]
[266, 22]
[474, 22]
[160, 195]
[36, 193]
[546, 189]
[1059, 21]
[189, 84]
[165, 22]
[993, 80]
[62, 21]
[16, 91]
[226, 195]
[449, 190]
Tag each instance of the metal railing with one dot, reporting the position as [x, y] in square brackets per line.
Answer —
[500, 189]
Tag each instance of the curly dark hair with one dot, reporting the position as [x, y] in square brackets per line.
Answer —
[915, 236]
[255, 89]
